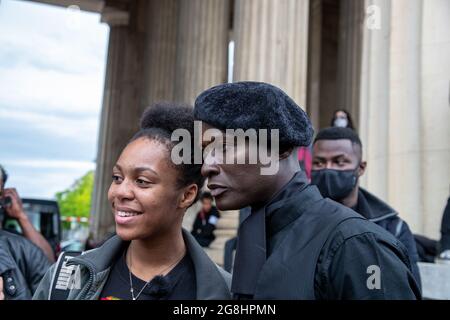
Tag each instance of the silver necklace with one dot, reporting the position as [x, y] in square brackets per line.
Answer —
[146, 284]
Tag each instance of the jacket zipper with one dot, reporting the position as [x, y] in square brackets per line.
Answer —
[91, 275]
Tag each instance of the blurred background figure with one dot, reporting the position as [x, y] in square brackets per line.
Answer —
[431, 250]
[444, 245]
[206, 221]
[11, 207]
[22, 263]
[342, 119]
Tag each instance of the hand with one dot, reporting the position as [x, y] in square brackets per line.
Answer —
[2, 296]
[15, 210]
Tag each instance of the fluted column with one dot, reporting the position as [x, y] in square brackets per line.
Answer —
[271, 43]
[169, 50]
[404, 109]
[202, 46]
[405, 175]
[374, 96]
[435, 112]
[351, 19]
[121, 107]
[314, 61]
[186, 48]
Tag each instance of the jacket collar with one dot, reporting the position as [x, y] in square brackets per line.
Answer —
[297, 194]
[212, 283]
[372, 208]
[284, 208]
[209, 279]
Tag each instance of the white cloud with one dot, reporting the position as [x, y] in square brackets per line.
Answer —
[51, 88]
[30, 88]
[43, 183]
[84, 129]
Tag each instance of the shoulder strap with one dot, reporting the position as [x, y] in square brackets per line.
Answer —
[65, 277]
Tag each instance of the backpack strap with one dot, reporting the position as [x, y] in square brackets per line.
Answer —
[65, 277]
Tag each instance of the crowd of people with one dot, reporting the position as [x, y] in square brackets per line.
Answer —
[309, 232]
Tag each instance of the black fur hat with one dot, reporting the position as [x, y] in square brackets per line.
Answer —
[257, 105]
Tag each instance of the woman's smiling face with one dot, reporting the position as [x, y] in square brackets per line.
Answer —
[144, 194]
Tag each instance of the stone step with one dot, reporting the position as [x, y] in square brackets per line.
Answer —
[435, 280]
[226, 233]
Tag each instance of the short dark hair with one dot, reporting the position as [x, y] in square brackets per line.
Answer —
[206, 195]
[4, 174]
[158, 123]
[338, 133]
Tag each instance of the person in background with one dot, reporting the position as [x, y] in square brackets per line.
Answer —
[13, 209]
[22, 262]
[337, 167]
[444, 244]
[342, 118]
[206, 221]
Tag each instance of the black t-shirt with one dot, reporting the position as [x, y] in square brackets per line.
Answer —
[178, 284]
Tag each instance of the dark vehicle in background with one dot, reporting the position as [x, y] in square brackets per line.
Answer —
[45, 217]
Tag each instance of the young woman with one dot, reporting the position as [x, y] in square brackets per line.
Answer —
[151, 257]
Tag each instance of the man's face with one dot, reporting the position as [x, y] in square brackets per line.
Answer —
[338, 154]
[234, 186]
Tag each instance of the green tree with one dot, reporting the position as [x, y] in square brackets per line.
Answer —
[76, 201]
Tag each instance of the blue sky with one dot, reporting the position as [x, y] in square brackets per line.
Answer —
[52, 68]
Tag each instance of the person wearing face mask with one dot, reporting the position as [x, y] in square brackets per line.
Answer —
[337, 166]
[342, 119]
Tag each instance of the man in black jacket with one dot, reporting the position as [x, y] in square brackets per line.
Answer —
[295, 244]
[22, 264]
[337, 166]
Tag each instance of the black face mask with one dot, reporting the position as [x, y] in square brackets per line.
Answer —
[334, 184]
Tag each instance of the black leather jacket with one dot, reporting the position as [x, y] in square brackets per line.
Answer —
[22, 266]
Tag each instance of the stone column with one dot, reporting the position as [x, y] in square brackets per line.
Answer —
[121, 107]
[435, 112]
[351, 19]
[202, 47]
[201, 61]
[405, 137]
[374, 97]
[405, 109]
[314, 61]
[271, 43]
[186, 48]
[169, 50]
